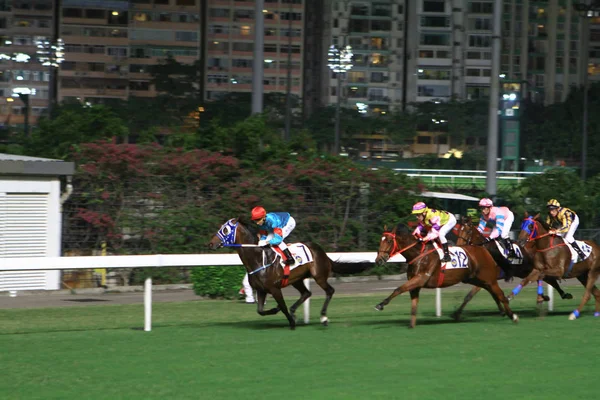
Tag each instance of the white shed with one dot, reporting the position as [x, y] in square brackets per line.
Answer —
[30, 217]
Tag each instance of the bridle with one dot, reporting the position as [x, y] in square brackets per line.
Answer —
[395, 249]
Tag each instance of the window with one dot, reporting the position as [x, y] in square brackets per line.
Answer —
[93, 13]
[424, 140]
[186, 2]
[480, 7]
[435, 22]
[480, 41]
[72, 13]
[186, 36]
[481, 24]
[472, 72]
[435, 39]
[433, 6]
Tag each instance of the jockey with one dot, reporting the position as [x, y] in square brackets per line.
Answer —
[502, 218]
[280, 224]
[440, 223]
[567, 222]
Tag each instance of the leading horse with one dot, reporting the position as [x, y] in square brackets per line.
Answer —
[470, 264]
[267, 276]
[554, 258]
[468, 235]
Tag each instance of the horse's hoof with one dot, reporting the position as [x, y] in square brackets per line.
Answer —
[510, 297]
[567, 296]
[515, 318]
[324, 320]
[455, 316]
[379, 307]
[574, 315]
[546, 298]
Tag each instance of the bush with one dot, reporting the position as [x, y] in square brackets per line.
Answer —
[216, 282]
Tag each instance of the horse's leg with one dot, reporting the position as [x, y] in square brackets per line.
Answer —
[304, 294]
[417, 281]
[329, 291]
[595, 292]
[261, 295]
[278, 296]
[552, 281]
[533, 275]
[414, 303]
[456, 314]
[589, 288]
[498, 295]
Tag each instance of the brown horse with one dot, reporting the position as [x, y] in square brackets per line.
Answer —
[425, 270]
[267, 276]
[553, 259]
[468, 235]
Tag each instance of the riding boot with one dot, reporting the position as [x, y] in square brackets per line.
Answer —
[508, 245]
[578, 250]
[289, 260]
[446, 253]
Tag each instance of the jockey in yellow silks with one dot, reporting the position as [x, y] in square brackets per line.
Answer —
[439, 222]
[563, 222]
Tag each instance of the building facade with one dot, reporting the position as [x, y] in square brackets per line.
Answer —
[23, 23]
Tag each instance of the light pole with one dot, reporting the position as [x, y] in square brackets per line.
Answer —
[340, 62]
[23, 93]
[588, 9]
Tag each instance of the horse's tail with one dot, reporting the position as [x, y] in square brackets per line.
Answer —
[350, 267]
[340, 267]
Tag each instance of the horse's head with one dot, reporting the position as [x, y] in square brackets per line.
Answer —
[226, 235]
[530, 228]
[467, 234]
[391, 242]
[387, 246]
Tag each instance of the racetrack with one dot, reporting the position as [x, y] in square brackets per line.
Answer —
[223, 350]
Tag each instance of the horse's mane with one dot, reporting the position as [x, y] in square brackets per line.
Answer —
[402, 228]
[248, 224]
[539, 218]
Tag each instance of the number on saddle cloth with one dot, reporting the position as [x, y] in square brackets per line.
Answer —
[585, 248]
[458, 257]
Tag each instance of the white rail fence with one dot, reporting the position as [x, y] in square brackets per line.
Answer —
[178, 260]
[158, 261]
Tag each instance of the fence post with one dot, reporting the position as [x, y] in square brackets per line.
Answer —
[148, 305]
[551, 297]
[438, 302]
[307, 303]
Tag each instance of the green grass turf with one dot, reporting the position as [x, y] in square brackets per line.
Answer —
[224, 350]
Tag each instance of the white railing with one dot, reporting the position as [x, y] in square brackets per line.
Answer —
[181, 260]
[158, 261]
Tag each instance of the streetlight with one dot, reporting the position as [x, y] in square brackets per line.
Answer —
[340, 62]
[586, 9]
[23, 93]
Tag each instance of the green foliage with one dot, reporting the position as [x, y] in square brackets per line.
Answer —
[216, 282]
[74, 124]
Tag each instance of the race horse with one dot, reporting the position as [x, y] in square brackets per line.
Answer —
[554, 258]
[470, 264]
[520, 267]
[267, 274]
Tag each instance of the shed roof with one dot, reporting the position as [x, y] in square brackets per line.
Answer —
[12, 164]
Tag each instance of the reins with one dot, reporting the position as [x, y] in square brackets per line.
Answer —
[396, 251]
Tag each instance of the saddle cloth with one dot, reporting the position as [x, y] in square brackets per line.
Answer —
[458, 257]
[514, 261]
[585, 248]
[300, 252]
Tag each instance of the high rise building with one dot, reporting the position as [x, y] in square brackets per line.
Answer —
[23, 23]
[432, 50]
[110, 45]
[230, 45]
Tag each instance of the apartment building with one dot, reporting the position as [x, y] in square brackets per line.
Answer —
[230, 46]
[110, 45]
[23, 23]
[431, 50]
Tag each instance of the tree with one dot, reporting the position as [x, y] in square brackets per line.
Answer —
[74, 124]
